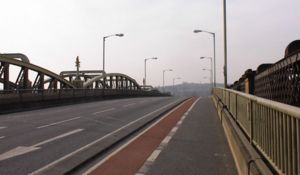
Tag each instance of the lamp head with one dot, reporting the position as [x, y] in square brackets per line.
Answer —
[197, 31]
[120, 34]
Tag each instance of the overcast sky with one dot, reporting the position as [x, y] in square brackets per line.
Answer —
[53, 32]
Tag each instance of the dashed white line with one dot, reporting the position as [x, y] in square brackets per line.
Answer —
[143, 170]
[154, 155]
[106, 110]
[130, 104]
[2, 127]
[57, 123]
[2, 137]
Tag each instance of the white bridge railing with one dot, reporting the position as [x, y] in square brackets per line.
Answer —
[272, 127]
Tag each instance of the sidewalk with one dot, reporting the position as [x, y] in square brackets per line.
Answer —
[198, 147]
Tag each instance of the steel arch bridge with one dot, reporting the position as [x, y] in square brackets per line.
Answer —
[17, 73]
[112, 81]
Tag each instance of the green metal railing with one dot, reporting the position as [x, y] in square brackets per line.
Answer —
[272, 127]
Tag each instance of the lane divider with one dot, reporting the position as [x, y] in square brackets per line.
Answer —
[105, 110]
[2, 137]
[57, 123]
[130, 104]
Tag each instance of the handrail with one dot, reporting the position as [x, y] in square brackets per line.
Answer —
[272, 127]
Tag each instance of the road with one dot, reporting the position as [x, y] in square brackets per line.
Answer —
[32, 141]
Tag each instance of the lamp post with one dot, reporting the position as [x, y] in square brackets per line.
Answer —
[104, 38]
[210, 76]
[164, 77]
[145, 61]
[211, 65]
[214, 37]
[225, 44]
[178, 78]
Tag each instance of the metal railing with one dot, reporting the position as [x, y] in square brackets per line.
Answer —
[272, 127]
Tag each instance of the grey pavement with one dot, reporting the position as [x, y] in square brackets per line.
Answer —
[199, 147]
[33, 139]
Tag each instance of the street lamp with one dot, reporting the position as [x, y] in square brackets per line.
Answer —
[145, 61]
[178, 78]
[210, 75]
[164, 78]
[214, 37]
[210, 66]
[104, 38]
[225, 44]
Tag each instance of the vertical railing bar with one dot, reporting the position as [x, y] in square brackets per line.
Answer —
[281, 152]
[277, 159]
[289, 156]
[293, 142]
[298, 146]
[284, 145]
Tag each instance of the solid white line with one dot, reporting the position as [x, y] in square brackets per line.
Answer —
[130, 104]
[106, 110]
[26, 149]
[56, 123]
[98, 140]
[2, 137]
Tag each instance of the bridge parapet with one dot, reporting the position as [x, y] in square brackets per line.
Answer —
[272, 127]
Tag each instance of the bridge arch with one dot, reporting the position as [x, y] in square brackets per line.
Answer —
[23, 80]
[112, 81]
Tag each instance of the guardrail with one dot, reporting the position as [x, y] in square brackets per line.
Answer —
[272, 127]
[15, 100]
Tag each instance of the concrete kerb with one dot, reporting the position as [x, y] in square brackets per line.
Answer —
[247, 159]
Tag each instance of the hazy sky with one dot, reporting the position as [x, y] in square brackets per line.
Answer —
[53, 32]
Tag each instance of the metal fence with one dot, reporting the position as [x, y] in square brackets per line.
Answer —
[272, 127]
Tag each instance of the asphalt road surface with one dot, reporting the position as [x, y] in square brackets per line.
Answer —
[29, 141]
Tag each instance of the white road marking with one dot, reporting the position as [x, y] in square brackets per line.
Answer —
[2, 137]
[130, 141]
[26, 149]
[57, 123]
[2, 127]
[106, 110]
[143, 170]
[130, 104]
[154, 155]
[39, 171]
[166, 140]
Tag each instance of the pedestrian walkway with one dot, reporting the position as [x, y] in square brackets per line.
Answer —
[198, 147]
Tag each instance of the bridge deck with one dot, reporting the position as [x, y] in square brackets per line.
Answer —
[198, 147]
